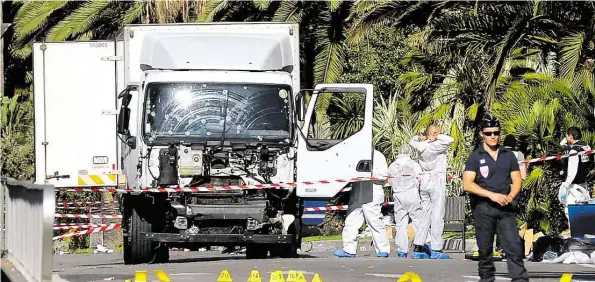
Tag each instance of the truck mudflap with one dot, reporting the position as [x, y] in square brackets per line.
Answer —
[219, 238]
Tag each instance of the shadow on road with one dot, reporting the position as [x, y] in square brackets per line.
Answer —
[209, 259]
[177, 260]
[575, 275]
[555, 274]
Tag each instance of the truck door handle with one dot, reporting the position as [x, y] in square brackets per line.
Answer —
[57, 176]
[364, 166]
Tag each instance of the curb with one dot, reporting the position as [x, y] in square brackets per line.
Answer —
[10, 272]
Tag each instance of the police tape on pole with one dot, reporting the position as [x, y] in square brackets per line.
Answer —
[212, 188]
[101, 228]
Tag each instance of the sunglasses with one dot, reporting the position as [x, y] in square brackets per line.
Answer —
[490, 133]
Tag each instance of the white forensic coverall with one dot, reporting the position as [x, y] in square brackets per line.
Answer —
[369, 210]
[405, 196]
[432, 158]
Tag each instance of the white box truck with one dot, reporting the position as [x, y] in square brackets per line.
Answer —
[193, 105]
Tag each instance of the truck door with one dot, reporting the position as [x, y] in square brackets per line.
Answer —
[75, 126]
[337, 143]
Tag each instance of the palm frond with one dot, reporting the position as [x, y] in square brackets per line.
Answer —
[262, 4]
[133, 13]
[210, 10]
[32, 17]
[329, 63]
[289, 11]
[78, 22]
[571, 52]
[334, 5]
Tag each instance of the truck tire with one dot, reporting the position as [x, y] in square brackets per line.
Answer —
[284, 250]
[144, 217]
[256, 251]
[289, 250]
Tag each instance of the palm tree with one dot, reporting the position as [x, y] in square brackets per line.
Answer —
[84, 20]
[472, 28]
[323, 31]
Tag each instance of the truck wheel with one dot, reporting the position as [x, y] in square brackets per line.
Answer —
[284, 250]
[256, 251]
[144, 217]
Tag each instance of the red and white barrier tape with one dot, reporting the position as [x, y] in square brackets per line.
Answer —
[89, 231]
[80, 226]
[87, 208]
[557, 157]
[101, 216]
[211, 188]
[82, 204]
[338, 208]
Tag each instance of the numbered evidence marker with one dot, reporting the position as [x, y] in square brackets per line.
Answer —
[224, 276]
[254, 276]
[316, 278]
[410, 276]
[301, 277]
[291, 276]
[277, 276]
[566, 277]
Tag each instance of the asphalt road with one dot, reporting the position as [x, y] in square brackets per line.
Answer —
[206, 266]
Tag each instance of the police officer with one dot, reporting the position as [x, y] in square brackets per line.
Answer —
[489, 173]
[510, 143]
[575, 185]
[578, 166]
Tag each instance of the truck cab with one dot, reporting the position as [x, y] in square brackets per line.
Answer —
[209, 141]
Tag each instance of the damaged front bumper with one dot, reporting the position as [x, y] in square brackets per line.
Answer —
[218, 238]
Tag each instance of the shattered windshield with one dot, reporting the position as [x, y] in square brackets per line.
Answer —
[206, 110]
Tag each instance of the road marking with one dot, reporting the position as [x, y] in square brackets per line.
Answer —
[189, 273]
[384, 275]
[287, 272]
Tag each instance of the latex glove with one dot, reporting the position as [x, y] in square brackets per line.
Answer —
[563, 193]
[563, 142]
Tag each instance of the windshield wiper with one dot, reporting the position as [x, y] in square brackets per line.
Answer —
[224, 120]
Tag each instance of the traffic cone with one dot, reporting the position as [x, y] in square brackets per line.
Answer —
[224, 276]
[291, 276]
[277, 276]
[316, 278]
[254, 276]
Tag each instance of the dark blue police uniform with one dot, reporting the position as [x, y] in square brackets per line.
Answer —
[491, 218]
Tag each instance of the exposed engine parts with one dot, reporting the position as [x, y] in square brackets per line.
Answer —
[195, 165]
[261, 211]
[168, 166]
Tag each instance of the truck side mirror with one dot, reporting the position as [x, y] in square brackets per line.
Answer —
[300, 107]
[124, 115]
[123, 121]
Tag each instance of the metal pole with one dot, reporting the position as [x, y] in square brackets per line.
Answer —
[2, 48]
[2, 188]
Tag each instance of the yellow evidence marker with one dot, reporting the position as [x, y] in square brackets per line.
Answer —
[224, 276]
[410, 276]
[316, 278]
[277, 276]
[566, 277]
[254, 276]
[291, 276]
[301, 277]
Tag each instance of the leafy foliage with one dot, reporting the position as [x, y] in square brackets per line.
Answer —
[445, 62]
